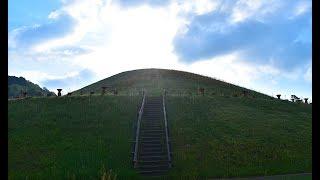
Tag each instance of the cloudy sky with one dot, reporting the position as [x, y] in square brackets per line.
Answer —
[264, 45]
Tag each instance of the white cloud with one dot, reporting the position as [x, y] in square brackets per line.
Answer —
[54, 15]
[229, 68]
[120, 39]
[198, 7]
[39, 76]
[302, 7]
[246, 9]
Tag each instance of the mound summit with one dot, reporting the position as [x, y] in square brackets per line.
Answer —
[175, 82]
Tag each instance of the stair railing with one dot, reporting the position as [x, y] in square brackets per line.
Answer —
[166, 128]
[135, 157]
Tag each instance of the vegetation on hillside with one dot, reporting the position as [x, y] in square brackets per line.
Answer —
[232, 137]
[18, 85]
[223, 133]
[66, 137]
[175, 82]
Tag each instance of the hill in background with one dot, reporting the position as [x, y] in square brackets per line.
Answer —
[175, 82]
[16, 85]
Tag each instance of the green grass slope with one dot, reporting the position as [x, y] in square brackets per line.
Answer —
[216, 135]
[232, 137]
[175, 82]
[62, 138]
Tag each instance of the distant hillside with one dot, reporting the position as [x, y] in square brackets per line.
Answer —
[175, 82]
[16, 85]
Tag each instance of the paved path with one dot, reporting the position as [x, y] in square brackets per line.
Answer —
[152, 155]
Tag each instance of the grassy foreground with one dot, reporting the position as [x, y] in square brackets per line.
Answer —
[232, 137]
[212, 136]
[66, 138]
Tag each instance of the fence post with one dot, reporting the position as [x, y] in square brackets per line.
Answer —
[59, 92]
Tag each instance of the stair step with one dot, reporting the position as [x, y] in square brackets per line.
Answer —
[152, 125]
[153, 165]
[164, 161]
[153, 135]
[150, 137]
[151, 132]
[158, 139]
[152, 122]
[151, 141]
[147, 130]
[153, 153]
[148, 145]
[152, 128]
[152, 148]
[153, 158]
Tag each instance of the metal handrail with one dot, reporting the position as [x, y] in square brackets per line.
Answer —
[166, 127]
[138, 132]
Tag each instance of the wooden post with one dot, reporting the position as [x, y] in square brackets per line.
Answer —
[201, 91]
[244, 93]
[59, 92]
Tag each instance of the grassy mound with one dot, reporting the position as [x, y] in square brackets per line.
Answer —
[175, 82]
[220, 134]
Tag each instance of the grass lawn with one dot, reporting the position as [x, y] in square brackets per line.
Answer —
[212, 137]
[228, 137]
[63, 138]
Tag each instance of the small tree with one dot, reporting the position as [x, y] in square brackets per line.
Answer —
[278, 95]
[294, 98]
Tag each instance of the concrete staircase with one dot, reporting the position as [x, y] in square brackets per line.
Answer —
[152, 150]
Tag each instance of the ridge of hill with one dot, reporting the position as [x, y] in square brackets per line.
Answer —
[175, 82]
[17, 85]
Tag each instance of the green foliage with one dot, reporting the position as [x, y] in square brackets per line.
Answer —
[17, 85]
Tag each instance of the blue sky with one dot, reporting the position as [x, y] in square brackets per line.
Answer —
[263, 45]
